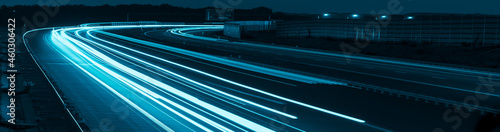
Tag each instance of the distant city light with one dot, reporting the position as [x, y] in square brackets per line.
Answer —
[326, 14]
[354, 15]
[383, 16]
[410, 17]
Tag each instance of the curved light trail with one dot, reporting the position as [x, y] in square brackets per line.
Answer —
[164, 92]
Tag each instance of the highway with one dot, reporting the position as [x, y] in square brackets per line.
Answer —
[449, 83]
[119, 82]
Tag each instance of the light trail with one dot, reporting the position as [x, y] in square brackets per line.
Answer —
[251, 67]
[371, 60]
[229, 62]
[179, 90]
[187, 79]
[140, 76]
[167, 71]
[103, 61]
[211, 88]
[412, 65]
[59, 40]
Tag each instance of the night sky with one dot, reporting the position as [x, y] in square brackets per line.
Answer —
[313, 6]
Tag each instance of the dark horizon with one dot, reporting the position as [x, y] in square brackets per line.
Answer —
[310, 7]
[275, 11]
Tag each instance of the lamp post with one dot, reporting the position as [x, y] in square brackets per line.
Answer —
[381, 17]
[353, 16]
[402, 30]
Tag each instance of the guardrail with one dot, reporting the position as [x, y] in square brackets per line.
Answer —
[70, 112]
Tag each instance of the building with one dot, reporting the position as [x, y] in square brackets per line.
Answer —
[444, 29]
[219, 14]
[236, 29]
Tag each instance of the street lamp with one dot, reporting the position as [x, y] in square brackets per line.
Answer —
[381, 17]
[326, 14]
[411, 34]
[353, 16]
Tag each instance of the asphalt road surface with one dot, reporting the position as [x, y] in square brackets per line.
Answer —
[120, 82]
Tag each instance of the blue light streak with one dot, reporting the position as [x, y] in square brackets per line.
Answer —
[199, 113]
[229, 62]
[242, 121]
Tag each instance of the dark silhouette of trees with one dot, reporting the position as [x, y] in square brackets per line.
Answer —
[68, 15]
